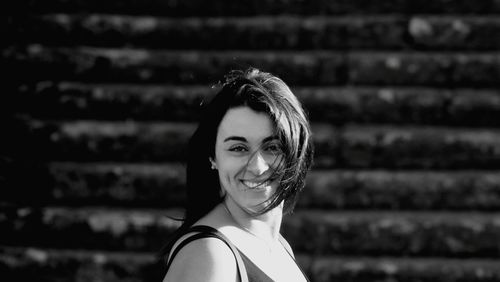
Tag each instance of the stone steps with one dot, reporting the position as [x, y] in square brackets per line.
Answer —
[77, 265]
[335, 105]
[421, 32]
[89, 64]
[162, 185]
[101, 98]
[105, 184]
[374, 233]
[259, 7]
[364, 233]
[352, 146]
[402, 190]
[48, 265]
[402, 269]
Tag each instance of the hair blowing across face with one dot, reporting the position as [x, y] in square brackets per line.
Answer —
[262, 92]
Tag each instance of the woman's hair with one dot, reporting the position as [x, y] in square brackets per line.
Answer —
[265, 93]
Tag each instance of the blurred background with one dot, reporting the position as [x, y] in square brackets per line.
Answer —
[100, 98]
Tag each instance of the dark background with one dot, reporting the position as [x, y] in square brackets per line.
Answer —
[99, 98]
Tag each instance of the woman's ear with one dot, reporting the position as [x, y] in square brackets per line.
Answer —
[213, 165]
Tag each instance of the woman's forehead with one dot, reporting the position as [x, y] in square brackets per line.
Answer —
[247, 123]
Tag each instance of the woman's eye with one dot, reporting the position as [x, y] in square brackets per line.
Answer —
[238, 149]
[274, 148]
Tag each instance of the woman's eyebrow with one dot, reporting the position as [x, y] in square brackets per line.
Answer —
[243, 139]
[270, 138]
[235, 138]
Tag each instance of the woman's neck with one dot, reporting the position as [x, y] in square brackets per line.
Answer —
[265, 226]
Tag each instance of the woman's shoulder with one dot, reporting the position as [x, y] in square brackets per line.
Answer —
[286, 245]
[204, 259]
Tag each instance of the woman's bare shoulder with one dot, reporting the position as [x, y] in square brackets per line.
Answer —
[287, 246]
[207, 259]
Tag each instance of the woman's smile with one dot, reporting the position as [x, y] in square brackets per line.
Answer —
[257, 185]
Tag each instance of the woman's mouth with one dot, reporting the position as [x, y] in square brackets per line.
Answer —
[256, 184]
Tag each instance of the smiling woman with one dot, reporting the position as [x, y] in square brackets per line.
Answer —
[247, 163]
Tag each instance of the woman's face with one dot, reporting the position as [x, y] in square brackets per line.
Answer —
[246, 153]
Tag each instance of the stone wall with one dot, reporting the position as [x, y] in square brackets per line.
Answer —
[100, 99]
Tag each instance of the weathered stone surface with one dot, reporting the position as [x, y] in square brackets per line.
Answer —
[401, 105]
[66, 100]
[460, 234]
[87, 64]
[35, 264]
[286, 32]
[403, 269]
[467, 108]
[336, 105]
[49, 265]
[88, 228]
[121, 184]
[259, 7]
[376, 105]
[36, 62]
[473, 33]
[93, 184]
[259, 32]
[97, 140]
[433, 69]
[463, 234]
[403, 190]
[405, 147]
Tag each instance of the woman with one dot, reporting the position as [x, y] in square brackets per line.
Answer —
[247, 162]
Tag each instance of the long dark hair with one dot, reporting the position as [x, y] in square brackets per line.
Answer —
[262, 92]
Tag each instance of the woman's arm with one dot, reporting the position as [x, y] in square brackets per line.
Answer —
[203, 260]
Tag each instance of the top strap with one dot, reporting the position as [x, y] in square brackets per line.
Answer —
[204, 231]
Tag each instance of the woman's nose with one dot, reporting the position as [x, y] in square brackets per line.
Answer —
[257, 164]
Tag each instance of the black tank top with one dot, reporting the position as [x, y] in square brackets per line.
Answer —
[247, 270]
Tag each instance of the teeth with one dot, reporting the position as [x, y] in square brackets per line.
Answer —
[251, 184]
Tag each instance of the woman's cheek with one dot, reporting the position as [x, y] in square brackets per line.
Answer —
[232, 169]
